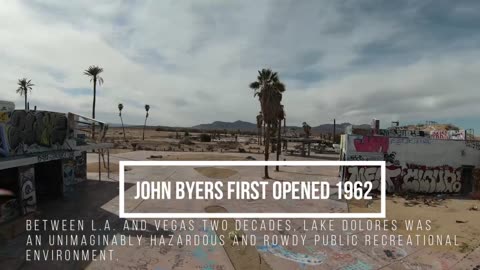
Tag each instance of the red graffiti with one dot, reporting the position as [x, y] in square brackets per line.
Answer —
[371, 144]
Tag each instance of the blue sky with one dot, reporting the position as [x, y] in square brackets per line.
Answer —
[192, 61]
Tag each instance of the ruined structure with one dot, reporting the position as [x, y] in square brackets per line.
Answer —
[434, 162]
[42, 155]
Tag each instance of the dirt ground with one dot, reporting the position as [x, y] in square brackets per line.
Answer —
[216, 173]
[449, 215]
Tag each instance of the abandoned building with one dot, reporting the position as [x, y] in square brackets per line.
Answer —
[42, 155]
[437, 161]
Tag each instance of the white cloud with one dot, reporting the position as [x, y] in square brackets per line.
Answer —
[192, 61]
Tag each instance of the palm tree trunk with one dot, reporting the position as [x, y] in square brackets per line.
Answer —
[279, 143]
[144, 125]
[264, 134]
[267, 144]
[26, 98]
[93, 107]
[124, 136]
[259, 136]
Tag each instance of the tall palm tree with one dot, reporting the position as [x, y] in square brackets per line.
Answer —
[120, 108]
[269, 90]
[147, 108]
[281, 116]
[259, 127]
[307, 129]
[94, 73]
[23, 86]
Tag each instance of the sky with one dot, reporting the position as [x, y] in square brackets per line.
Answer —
[192, 61]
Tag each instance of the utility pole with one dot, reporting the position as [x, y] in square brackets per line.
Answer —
[334, 129]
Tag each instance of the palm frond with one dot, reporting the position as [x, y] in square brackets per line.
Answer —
[93, 71]
[24, 85]
[254, 85]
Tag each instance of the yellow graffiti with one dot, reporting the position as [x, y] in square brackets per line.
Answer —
[4, 117]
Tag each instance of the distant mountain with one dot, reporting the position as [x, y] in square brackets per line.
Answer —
[328, 128]
[247, 126]
[219, 125]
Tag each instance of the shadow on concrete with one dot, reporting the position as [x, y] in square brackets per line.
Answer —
[85, 203]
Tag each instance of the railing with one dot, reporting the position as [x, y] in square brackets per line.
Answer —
[86, 130]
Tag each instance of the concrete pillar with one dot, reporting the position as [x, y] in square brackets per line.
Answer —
[68, 169]
[28, 194]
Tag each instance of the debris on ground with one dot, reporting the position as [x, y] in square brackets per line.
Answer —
[250, 158]
[461, 221]
[235, 235]
[473, 208]
[156, 156]
[413, 199]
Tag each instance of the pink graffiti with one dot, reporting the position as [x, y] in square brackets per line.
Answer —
[371, 144]
[439, 134]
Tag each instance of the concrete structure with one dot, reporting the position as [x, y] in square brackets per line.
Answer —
[417, 164]
[42, 155]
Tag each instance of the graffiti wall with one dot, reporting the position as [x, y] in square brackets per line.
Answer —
[35, 131]
[68, 175]
[416, 164]
[28, 198]
[434, 134]
[81, 166]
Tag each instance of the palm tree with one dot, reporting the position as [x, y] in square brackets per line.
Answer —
[120, 108]
[269, 90]
[94, 73]
[281, 116]
[23, 86]
[307, 129]
[259, 127]
[147, 108]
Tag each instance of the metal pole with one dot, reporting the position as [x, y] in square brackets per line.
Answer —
[108, 165]
[99, 167]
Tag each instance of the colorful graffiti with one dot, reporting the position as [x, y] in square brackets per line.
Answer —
[371, 144]
[68, 175]
[432, 179]
[415, 178]
[28, 198]
[25, 132]
[401, 133]
[300, 258]
[448, 134]
[4, 147]
[81, 166]
[54, 155]
[412, 140]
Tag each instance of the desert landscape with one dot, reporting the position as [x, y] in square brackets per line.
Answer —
[449, 214]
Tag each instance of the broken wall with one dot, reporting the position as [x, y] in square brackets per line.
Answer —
[23, 132]
[416, 164]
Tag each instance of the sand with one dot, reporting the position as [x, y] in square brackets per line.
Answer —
[444, 214]
[93, 167]
[217, 173]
